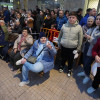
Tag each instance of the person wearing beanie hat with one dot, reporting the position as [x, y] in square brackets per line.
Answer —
[42, 34]
[44, 61]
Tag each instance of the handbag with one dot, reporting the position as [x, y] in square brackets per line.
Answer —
[33, 59]
[94, 68]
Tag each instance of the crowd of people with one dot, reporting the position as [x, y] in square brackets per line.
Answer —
[78, 34]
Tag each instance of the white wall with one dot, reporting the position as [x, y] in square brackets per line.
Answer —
[93, 4]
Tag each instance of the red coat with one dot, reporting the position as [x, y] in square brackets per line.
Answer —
[96, 49]
[52, 34]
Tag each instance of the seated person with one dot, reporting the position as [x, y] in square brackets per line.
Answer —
[3, 36]
[17, 28]
[44, 62]
[23, 42]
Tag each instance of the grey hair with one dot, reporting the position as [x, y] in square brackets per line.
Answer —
[91, 17]
[2, 21]
[17, 21]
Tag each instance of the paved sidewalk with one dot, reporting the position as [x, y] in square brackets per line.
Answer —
[52, 86]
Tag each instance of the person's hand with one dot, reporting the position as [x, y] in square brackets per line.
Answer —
[2, 23]
[75, 52]
[15, 50]
[49, 46]
[23, 61]
[76, 55]
[97, 58]
[87, 36]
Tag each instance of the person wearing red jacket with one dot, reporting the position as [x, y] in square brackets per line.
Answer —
[96, 55]
[53, 33]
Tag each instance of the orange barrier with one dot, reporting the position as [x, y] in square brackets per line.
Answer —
[47, 31]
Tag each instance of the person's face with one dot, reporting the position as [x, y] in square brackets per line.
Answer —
[61, 13]
[52, 13]
[90, 13]
[90, 22]
[98, 21]
[94, 12]
[28, 15]
[25, 33]
[41, 13]
[47, 11]
[43, 39]
[2, 23]
[52, 27]
[67, 14]
[17, 23]
[72, 19]
[18, 16]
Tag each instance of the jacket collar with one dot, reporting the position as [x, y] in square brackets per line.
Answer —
[71, 25]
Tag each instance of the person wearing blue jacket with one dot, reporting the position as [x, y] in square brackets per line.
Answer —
[44, 62]
[6, 15]
[91, 12]
[60, 20]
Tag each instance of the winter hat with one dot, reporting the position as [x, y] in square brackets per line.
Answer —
[42, 34]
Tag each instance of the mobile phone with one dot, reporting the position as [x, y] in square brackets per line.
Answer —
[47, 42]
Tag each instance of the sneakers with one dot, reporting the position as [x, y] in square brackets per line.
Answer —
[90, 90]
[69, 73]
[60, 70]
[19, 62]
[81, 74]
[23, 83]
[85, 80]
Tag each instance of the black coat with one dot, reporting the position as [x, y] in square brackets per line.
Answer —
[17, 29]
[48, 23]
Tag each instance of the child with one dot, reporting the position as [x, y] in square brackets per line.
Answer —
[53, 33]
[96, 55]
[70, 41]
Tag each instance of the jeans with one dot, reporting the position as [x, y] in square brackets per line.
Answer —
[87, 60]
[37, 67]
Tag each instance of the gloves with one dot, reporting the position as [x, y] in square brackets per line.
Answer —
[75, 54]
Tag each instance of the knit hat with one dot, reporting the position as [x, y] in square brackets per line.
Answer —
[42, 34]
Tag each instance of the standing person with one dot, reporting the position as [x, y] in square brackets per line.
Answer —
[70, 39]
[88, 59]
[88, 28]
[38, 21]
[6, 15]
[67, 14]
[53, 16]
[37, 9]
[53, 33]
[60, 20]
[44, 61]
[79, 14]
[96, 55]
[48, 22]
[91, 12]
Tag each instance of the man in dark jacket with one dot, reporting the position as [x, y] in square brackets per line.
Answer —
[21, 19]
[17, 28]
